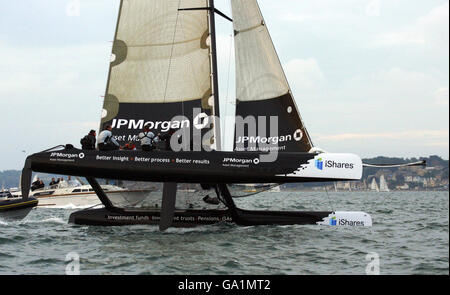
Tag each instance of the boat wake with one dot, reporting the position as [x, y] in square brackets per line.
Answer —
[71, 207]
[56, 220]
[205, 229]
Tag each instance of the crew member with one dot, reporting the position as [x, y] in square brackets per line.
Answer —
[130, 146]
[148, 139]
[106, 142]
[88, 142]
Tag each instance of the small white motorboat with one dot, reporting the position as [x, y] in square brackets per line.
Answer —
[75, 194]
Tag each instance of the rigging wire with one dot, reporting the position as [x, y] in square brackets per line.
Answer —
[191, 64]
[170, 61]
[228, 83]
[228, 76]
[171, 51]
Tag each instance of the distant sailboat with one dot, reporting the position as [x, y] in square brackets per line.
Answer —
[374, 185]
[383, 184]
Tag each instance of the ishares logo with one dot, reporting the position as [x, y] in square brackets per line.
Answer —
[333, 220]
[319, 164]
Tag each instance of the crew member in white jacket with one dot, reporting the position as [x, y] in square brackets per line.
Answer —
[148, 139]
[105, 140]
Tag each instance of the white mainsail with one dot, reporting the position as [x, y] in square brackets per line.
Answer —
[160, 53]
[161, 67]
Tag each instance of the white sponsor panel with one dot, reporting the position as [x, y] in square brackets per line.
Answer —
[334, 166]
[342, 218]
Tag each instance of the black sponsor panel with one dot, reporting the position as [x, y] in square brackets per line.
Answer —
[163, 166]
[193, 218]
[132, 117]
[291, 134]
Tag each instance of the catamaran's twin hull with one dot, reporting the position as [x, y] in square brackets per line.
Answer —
[194, 218]
[198, 167]
[216, 168]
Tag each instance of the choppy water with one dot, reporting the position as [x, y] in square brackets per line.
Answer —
[410, 235]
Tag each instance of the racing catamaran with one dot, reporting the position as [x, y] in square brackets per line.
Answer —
[164, 74]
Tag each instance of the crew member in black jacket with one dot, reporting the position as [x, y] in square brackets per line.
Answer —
[88, 142]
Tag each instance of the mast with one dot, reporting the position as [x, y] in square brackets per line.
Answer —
[215, 76]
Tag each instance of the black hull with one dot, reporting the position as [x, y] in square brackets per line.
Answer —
[17, 209]
[193, 218]
[181, 167]
[216, 169]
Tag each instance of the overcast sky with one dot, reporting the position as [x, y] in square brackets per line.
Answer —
[369, 76]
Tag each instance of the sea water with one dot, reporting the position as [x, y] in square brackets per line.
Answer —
[410, 235]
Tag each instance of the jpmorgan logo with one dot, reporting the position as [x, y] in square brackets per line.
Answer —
[201, 121]
[298, 135]
[239, 161]
[66, 156]
[164, 126]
